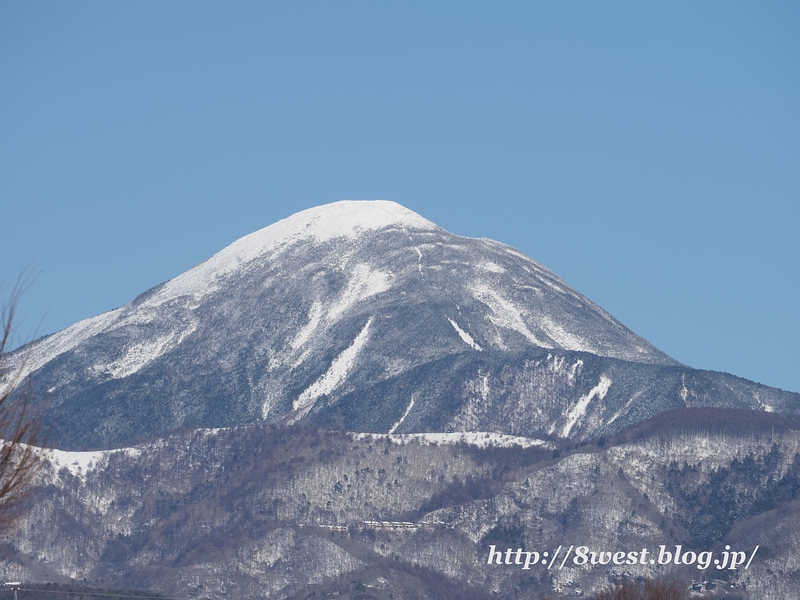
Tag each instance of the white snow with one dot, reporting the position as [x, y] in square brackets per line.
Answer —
[403, 418]
[46, 349]
[345, 219]
[518, 254]
[505, 314]
[465, 337]
[419, 252]
[766, 407]
[139, 355]
[481, 439]
[314, 319]
[419, 257]
[77, 463]
[563, 338]
[573, 370]
[577, 411]
[335, 375]
[561, 364]
[364, 283]
[488, 265]
[81, 464]
[624, 409]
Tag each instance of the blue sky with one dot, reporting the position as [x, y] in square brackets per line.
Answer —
[649, 155]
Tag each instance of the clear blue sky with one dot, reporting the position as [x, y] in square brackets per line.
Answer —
[649, 155]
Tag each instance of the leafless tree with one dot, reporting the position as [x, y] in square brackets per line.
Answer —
[20, 419]
[648, 589]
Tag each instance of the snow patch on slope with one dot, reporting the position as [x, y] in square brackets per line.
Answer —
[77, 463]
[140, 355]
[625, 408]
[335, 375]
[80, 464]
[465, 337]
[482, 439]
[364, 283]
[403, 418]
[490, 266]
[577, 411]
[505, 314]
[563, 338]
[314, 319]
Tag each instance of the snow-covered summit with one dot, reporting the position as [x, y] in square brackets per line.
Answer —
[344, 219]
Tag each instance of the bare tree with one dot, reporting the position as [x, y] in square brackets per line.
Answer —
[20, 420]
[647, 589]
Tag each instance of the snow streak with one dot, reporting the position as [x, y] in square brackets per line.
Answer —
[403, 418]
[335, 375]
[465, 337]
[577, 411]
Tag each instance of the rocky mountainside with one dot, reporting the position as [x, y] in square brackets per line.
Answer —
[367, 317]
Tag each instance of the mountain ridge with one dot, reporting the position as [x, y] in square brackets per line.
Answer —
[247, 512]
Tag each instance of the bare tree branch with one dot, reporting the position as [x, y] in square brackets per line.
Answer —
[21, 421]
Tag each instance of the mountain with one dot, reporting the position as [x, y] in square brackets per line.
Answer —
[367, 317]
[354, 402]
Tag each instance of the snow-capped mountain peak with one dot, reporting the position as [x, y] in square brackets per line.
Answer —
[346, 219]
[357, 311]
